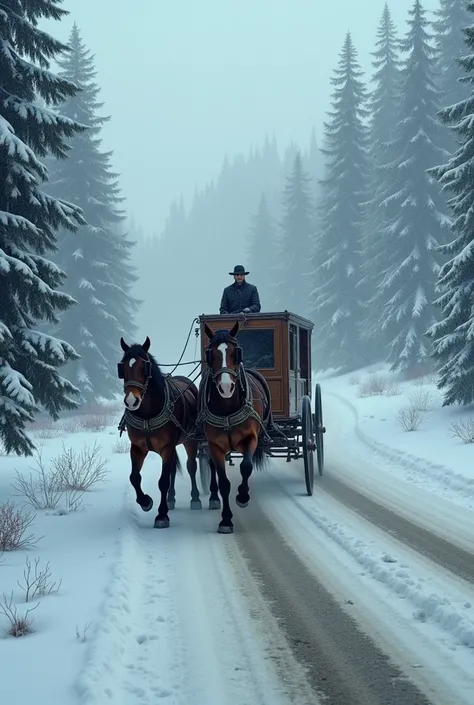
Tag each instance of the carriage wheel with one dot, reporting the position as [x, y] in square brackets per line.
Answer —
[318, 428]
[308, 443]
[204, 471]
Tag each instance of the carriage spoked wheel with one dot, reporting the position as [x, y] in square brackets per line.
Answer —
[308, 443]
[318, 428]
[204, 472]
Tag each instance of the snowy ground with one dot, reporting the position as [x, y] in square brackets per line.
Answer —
[404, 424]
[144, 616]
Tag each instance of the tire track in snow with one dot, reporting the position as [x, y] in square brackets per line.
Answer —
[436, 548]
[182, 624]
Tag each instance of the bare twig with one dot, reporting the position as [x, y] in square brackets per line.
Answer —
[80, 471]
[13, 527]
[409, 418]
[38, 583]
[82, 636]
[42, 489]
[464, 430]
[20, 625]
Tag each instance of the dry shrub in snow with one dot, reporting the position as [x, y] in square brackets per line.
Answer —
[96, 422]
[409, 418]
[48, 432]
[80, 471]
[121, 445]
[14, 525]
[392, 390]
[71, 425]
[38, 581]
[82, 636]
[63, 483]
[19, 624]
[374, 386]
[354, 380]
[464, 430]
[421, 399]
[41, 488]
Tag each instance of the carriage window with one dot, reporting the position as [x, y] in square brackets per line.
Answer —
[305, 357]
[293, 348]
[257, 348]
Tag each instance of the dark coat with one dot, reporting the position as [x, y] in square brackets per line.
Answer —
[236, 298]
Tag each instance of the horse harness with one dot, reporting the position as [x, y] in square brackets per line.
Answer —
[205, 416]
[148, 426]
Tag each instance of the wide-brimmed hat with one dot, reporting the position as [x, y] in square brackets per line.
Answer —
[238, 269]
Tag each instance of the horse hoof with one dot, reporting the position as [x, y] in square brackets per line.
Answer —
[147, 507]
[242, 505]
[162, 523]
[214, 504]
[225, 529]
[171, 503]
[195, 504]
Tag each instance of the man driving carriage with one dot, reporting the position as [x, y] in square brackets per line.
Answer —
[240, 297]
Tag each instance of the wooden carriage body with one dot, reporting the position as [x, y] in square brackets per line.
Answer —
[278, 345]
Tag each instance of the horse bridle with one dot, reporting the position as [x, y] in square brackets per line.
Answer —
[133, 383]
[231, 372]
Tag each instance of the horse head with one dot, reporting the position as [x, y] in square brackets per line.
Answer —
[224, 358]
[135, 369]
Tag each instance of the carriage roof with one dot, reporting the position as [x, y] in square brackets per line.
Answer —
[278, 345]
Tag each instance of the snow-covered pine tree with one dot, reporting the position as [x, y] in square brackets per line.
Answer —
[29, 219]
[453, 335]
[291, 283]
[384, 108]
[414, 211]
[452, 17]
[262, 246]
[97, 259]
[335, 305]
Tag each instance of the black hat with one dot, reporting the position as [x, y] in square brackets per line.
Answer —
[238, 269]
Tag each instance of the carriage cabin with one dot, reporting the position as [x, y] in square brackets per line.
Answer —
[278, 345]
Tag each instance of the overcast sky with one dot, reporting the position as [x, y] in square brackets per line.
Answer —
[187, 81]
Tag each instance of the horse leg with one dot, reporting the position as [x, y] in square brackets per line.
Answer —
[225, 526]
[214, 501]
[137, 457]
[191, 465]
[169, 466]
[171, 498]
[246, 466]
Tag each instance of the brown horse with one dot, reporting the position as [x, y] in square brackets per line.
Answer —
[234, 409]
[159, 412]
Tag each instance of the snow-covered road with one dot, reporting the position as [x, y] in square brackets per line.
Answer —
[360, 595]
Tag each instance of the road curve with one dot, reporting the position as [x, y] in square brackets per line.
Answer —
[446, 554]
[341, 662]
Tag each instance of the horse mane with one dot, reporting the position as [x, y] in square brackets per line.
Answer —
[135, 351]
[222, 336]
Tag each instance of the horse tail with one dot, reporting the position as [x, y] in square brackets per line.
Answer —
[260, 459]
[177, 463]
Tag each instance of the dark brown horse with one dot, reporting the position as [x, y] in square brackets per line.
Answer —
[159, 411]
[234, 410]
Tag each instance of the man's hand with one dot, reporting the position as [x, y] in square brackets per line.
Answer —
[246, 310]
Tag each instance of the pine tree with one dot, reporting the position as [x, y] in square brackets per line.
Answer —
[29, 219]
[335, 304]
[453, 335]
[292, 281]
[415, 221]
[383, 106]
[262, 245]
[452, 18]
[97, 258]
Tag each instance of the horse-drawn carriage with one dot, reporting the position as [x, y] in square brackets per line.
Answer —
[253, 402]
[278, 346]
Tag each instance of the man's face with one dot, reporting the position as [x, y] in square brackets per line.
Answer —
[239, 278]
